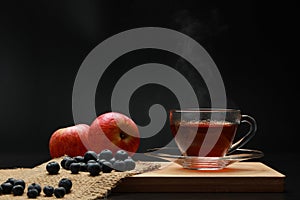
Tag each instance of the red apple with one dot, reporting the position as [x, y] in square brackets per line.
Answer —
[113, 131]
[69, 141]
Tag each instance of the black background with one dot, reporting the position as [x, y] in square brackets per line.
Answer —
[43, 43]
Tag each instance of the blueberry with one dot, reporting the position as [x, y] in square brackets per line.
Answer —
[20, 182]
[121, 155]
[48, 190]
[79, 158]
[1, 190]
[83, 167]
[63, 161]
[10, 180]
[119, 165]
[91, 161]
[90, 155]
[18, 190]
[35, 186]
[106, 167]
[112, 160]
[105, 154]
[101, 161]
[59, 192]
[6, 187]
[52, 167]
[69, 162]
[66, 183]
[32, 193]
[94, 168]
[130, 164]
[75, 167]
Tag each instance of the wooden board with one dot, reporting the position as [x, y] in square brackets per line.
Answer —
[238, 177]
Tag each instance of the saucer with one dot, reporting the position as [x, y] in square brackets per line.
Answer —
[203, 163]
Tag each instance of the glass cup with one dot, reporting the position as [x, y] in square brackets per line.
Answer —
[208, 132]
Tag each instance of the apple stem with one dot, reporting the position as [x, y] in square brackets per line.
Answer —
[122, 135]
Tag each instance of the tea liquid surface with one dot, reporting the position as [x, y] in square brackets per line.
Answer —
[224, 131]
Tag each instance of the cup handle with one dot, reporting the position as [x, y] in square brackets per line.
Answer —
[252, 130]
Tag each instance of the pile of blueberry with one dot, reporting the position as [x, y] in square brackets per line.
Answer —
[17, 187]
[64, 187]
[94, 163]
[12, 186]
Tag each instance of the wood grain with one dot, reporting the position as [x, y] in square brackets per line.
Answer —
[239, 177]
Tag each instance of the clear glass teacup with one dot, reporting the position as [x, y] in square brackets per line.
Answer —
[208, 132]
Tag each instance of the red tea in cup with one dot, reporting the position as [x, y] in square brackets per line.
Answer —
[209, 132]
[224, 131]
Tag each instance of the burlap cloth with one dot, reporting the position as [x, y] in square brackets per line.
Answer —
[84, 185]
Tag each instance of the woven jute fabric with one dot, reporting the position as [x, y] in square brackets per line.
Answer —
[84, 185]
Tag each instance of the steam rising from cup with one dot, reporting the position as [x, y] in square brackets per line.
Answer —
[105, 53]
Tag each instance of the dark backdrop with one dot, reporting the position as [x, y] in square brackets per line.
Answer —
[43, 43]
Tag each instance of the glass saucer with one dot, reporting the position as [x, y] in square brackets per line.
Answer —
[203, 163]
